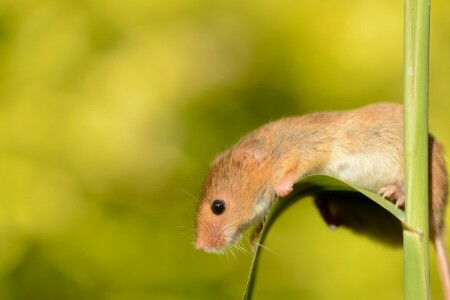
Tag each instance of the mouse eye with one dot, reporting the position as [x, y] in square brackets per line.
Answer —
[218, 207]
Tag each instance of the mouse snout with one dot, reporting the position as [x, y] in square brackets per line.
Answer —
[213, 241]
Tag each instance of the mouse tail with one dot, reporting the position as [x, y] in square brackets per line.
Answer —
[443, 265]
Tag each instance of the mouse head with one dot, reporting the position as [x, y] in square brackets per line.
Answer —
[235, 195]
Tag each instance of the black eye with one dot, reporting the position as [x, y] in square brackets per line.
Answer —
[218, 207]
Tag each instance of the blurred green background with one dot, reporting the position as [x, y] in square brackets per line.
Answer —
[110, 112]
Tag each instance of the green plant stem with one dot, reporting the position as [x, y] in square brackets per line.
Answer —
[307, 186]
[416, 245]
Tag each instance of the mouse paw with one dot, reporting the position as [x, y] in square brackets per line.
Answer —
[393, 193]
[324, 203]
[284, 187]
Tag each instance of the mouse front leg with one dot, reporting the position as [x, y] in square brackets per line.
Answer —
[290, 174]
[284, 186]
[324, 203]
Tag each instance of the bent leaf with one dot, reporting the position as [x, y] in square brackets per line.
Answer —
[307, 186]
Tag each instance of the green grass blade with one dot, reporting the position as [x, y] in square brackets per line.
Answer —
[415, 73]
[306, 186]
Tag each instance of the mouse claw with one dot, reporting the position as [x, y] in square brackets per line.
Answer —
[393, 193]
[327, 208]
[400, 202]
[332, 227]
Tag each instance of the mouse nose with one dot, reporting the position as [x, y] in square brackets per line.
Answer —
[200, 245]
[209, 244]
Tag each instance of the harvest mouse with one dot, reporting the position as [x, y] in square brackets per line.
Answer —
[363, 147]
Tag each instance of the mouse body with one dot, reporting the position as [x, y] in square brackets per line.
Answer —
[363, 147]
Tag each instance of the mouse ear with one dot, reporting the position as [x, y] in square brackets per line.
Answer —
[251, 148]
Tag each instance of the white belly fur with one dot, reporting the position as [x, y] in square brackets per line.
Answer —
[371, 170]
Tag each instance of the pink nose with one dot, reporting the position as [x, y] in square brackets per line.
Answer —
[208, 245]
[200, 245]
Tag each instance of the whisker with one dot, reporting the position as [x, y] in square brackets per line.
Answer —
[226, 253]
[189, 194]
[239, 247]
[265, 248]
[234, 255]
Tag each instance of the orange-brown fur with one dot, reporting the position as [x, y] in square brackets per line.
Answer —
[363, 147]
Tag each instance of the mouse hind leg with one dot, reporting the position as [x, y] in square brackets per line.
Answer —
[393, 193]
